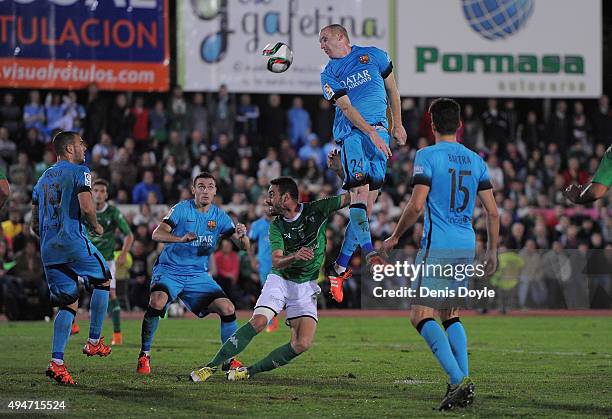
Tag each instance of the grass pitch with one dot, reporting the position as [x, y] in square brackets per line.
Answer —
[358, 367]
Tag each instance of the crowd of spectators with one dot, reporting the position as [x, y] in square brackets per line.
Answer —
[149, 146]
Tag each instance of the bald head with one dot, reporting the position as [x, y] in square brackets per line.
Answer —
[335, 41]
[337, 29]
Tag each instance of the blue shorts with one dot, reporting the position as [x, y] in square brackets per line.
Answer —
[63, 280]
[362, 162]
[197, 292]
[441, 279]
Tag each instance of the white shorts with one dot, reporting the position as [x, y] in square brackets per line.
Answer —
[111, 268]
[300, 300]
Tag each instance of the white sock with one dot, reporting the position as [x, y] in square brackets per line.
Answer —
[93, 341]
[147, 353]
[339, 269]
[58, 361]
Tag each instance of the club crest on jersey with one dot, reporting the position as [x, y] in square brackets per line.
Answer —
[359, 176]
[212, 224]
[364, 59]
[329, 92]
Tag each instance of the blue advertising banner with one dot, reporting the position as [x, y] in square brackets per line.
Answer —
[118, 44]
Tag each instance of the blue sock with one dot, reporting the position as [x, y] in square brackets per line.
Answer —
[361, 226]
[458, 342]
[149, 326]
[438, 343]
[98, 307]
[61, 331]
[227, 329]
[349, 245]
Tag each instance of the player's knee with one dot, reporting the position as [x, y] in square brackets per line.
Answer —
[416, 318]
[359, 194]
[158, 300]
[65, 299]
[259, 322]
[301, 344]
[226, 309]
[446, 315]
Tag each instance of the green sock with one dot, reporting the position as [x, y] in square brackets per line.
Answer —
[115, 308]
[234, 345]
[277, 358]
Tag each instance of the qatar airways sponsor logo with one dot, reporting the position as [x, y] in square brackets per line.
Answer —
[355, 80]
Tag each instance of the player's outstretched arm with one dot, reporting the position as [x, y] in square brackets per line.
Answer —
[240, 237]
[345, 199]
[163, 234]
[89, 209]
[409, 216]
[584, 194]
[488, 202]
[353, 115]
[398, 131]
[280, 261]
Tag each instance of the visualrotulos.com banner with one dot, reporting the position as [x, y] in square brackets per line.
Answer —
[68, 44]
[517, 48]
[221, 40]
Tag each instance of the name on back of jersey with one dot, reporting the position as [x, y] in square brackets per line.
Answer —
[460, 159]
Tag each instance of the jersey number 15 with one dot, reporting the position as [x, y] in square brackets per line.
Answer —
[462, 188]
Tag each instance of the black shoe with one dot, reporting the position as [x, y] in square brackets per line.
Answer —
[458, 395]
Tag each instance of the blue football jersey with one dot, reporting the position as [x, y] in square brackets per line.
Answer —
[63, 237]
[260, 232]
[360, 75]
[192, 258]
[454, 174]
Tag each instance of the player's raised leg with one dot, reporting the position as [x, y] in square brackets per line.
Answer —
[157, 302]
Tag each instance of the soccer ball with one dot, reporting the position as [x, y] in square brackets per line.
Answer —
[176, 310]
[279, 56]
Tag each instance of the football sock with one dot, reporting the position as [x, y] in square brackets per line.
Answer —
[61, 332]
[98, 307]
[438, 343]
[149, 326]
[229, 325]
[361, 226]
[277, 358]
[234, 345]
[115, 308]
[349, 245]
[458, 342]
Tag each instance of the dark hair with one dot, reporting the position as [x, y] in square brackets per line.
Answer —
[102, 182]
[445, 115]
[286, 185]
[204, 175]
[337, 28]
[62, 139]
